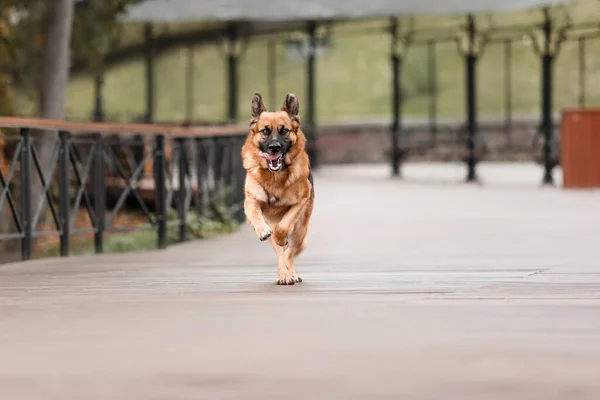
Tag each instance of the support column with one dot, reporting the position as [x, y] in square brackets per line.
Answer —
[272, 73]
[547, 128]
[471, 91]
[310, 125]
[189, 85]
[433, 92]
[547, 49]
[396, 128]
[508, 91]
[232, 73]
[99, 100]
[582, 69]
[149, 61]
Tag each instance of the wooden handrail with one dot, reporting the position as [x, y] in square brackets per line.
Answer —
[76, 127]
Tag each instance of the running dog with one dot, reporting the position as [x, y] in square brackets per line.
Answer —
[279, 192]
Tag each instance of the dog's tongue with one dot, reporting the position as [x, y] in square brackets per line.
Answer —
[270, 157]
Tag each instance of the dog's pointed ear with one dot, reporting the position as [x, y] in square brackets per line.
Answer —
[258, 107]
[291, 105]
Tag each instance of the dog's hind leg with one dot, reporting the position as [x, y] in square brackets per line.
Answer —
[286, 277]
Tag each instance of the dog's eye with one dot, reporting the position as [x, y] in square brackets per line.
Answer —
[284, 130]
[264, 131]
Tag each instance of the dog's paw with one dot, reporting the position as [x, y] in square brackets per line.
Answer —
[286, 280]
[289, 279]
[264, 233]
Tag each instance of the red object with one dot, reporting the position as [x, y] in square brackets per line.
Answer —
[580, 148]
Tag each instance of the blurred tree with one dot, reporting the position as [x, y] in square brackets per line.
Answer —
[56, 58]
[95, 30]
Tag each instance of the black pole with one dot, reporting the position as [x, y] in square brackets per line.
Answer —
[217, 160]
[63, 193]
[99, 103]
[472, 128]
[396, 61]
[432, 78]
[27, 239]
[189, 86]
[311, 134]
[508, 91]
[160, 191]
[272, 72]
[99, 194]
[149, 61]
[547, 128]
[182, 190]
[232, 74]
[582, 72]
[201, 172]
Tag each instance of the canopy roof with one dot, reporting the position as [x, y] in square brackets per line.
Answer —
[301, 10]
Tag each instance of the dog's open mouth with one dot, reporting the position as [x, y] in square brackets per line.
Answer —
[274, 161]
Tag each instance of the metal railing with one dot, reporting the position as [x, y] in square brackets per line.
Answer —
[66, 167]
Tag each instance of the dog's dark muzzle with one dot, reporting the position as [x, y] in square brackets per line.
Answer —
[273, 151]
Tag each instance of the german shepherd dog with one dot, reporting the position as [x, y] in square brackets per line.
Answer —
[279, 192]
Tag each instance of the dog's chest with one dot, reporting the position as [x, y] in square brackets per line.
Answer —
[273, 200]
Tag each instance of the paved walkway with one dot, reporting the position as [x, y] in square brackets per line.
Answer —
[422, 289]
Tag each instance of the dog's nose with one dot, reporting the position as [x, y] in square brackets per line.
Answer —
[274, 148]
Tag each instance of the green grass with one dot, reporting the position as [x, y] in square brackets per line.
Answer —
[146, 239]
[217, 219]
[353, 78]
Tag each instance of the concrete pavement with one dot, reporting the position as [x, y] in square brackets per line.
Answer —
[418, 289]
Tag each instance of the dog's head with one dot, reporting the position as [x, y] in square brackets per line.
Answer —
[276, 135]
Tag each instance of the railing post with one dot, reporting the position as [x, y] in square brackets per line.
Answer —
[219, 153]
[63, 193]
[160, 191]
[200, 175]
[239, 182]
[99, 194]
[182, 192]
[27, 238]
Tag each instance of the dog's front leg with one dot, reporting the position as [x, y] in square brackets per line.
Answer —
[254, 215]
[283, 229]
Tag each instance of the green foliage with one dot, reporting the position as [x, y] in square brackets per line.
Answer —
[95, 31]
[197, 227]
[217, 221]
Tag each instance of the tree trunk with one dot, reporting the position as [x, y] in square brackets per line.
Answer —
[56, 60]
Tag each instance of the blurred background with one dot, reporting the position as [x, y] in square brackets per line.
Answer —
[114, 49]
[378, 83]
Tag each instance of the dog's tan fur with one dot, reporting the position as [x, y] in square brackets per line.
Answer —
[279, 205]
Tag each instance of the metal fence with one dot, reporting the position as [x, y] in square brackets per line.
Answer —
[55, 169]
